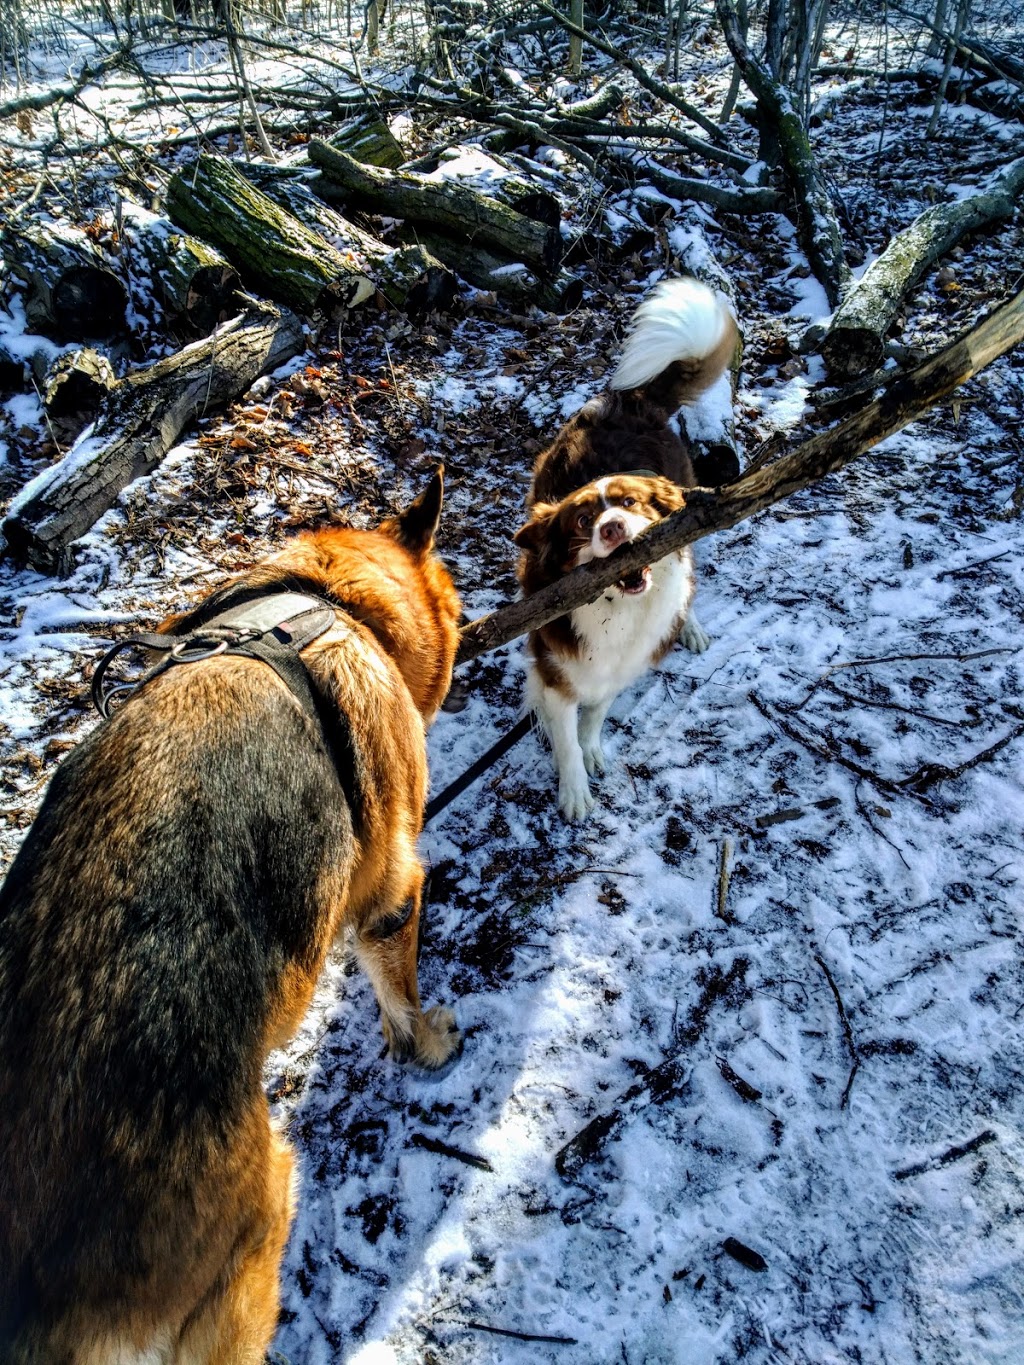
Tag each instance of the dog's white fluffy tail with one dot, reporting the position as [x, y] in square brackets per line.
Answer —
[682, 320]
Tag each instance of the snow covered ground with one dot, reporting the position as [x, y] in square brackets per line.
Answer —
[799, 894]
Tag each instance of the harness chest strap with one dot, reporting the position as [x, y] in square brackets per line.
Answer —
[272, 629]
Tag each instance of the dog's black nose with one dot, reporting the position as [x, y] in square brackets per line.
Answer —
[613, 531]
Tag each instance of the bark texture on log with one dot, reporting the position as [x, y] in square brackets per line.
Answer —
[409, 276]
[817, 224]
[73, 292]
[142, 419]
[370, 141]
[905, 399]
[448, 206]
[491, 178]
[193, 281]
[290, 263]
[855, 341]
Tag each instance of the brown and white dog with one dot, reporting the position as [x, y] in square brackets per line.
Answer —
[615, 468]
[163, 928]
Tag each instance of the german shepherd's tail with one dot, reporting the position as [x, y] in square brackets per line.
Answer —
[681, 340]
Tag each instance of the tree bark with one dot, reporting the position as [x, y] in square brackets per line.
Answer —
[72, 291]
[288, 261]
[855, 341]
[444, 204]
[817, 225]
[193, 281]
[905, 399]
[144, 416]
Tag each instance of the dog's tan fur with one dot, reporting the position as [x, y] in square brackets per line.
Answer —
[163, 928]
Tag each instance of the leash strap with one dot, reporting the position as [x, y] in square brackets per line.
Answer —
[494, 753]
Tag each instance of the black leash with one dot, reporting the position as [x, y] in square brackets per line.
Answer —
[497, 750]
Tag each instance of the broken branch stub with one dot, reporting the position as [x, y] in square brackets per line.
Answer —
[900, 402]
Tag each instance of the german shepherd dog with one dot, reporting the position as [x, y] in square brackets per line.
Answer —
[162, 929]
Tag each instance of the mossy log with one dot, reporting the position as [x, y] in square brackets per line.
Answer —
[855, 341]
[408, 276]
[193, 281]
[73, 290]
[816, 221]
[512, 281]
[449, 207]
[273, 250]
[144, 415]
[371, 142]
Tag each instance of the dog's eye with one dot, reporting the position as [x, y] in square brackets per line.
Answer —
[629, 502]
[583, 521]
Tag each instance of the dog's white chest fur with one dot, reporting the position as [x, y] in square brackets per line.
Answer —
[618, 634]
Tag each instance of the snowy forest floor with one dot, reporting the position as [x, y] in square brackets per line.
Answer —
[860, 962]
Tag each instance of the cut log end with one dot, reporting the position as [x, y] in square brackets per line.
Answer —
[851, 351]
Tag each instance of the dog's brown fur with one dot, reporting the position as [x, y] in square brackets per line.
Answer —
[163, 928]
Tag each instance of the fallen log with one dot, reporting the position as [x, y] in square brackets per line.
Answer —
[193, 281]
[77, 383]
[900, 402]
[72, 290]
[513, 281]
[144, 416]
[408, 276]
[855, 341]
[288, 261]
[816, 221]
[488, 176]
[450, 207]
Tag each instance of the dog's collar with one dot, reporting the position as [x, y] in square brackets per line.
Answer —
[271, 628]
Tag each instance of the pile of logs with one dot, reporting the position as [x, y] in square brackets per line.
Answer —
[296, 235]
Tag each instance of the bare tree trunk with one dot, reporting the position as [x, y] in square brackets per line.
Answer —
[951, 51]
[575, 41]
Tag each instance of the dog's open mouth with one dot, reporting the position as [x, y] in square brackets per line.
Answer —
[636, 582]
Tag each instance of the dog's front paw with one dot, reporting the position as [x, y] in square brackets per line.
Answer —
[693, 635]
[438, 1039]
[574, 798]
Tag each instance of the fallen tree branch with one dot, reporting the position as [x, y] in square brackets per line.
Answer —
[903, 400]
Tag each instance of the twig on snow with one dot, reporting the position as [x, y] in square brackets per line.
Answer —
[430, 1144]
[956, 1153]
[847, 1030]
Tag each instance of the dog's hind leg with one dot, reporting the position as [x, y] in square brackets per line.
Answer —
[386, 945]
[236, 1325]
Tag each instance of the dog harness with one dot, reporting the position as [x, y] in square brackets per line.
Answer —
[272, 629]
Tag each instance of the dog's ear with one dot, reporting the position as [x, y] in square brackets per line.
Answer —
[416, 526]
[530, 536]
[667, 497]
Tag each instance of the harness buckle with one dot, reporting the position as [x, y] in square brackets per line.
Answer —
[193, 648]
